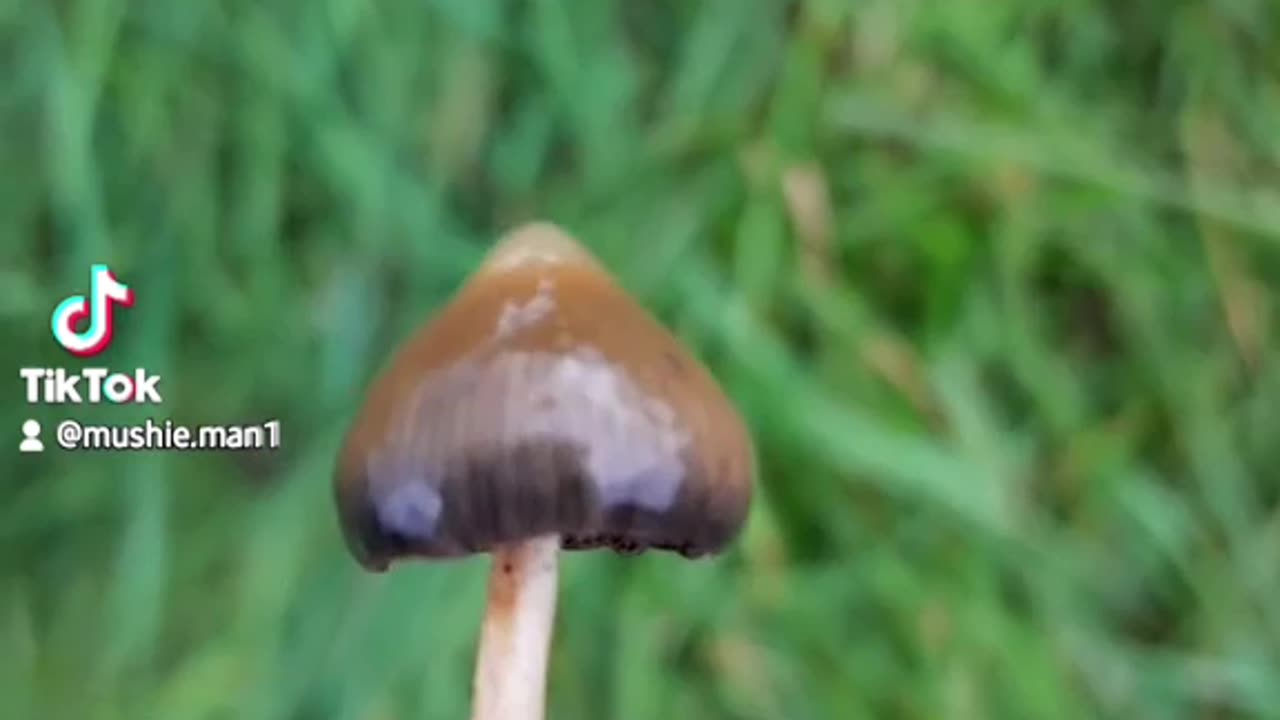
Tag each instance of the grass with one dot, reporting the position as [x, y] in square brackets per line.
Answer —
[994, 283]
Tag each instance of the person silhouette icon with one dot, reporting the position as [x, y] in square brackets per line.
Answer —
[31, 442]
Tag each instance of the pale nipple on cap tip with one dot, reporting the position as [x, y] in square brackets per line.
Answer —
[532, 244]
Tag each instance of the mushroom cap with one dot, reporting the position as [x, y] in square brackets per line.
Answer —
[542, 400]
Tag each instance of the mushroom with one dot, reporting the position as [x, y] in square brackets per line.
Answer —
[542, 409]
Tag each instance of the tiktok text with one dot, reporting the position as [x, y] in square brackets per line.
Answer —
[91, 385]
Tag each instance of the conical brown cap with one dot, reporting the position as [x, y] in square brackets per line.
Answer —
[543, 399]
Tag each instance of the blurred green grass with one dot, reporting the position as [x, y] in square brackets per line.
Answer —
[993, 281]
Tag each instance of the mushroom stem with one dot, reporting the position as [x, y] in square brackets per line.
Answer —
[515, 638]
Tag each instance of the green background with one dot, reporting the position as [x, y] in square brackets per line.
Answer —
[993, 282]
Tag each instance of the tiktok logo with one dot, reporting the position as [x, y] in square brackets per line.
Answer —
[104, 293]
[58, 386]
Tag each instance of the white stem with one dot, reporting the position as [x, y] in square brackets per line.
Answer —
[515, 639]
